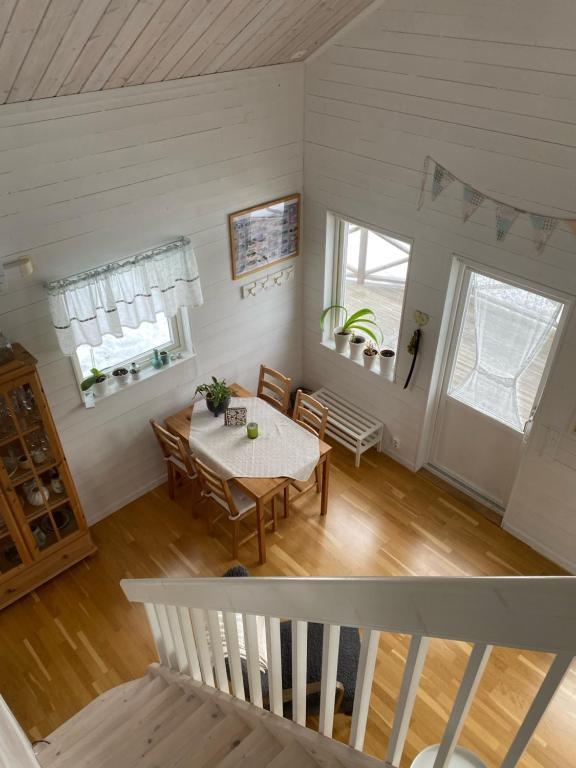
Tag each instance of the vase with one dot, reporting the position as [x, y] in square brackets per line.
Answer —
[219, 408]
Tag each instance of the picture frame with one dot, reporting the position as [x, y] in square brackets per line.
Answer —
[264, 235]
[235, 417]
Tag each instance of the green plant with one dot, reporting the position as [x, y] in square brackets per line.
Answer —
[216, 392]
[358, 321]
[88, 382]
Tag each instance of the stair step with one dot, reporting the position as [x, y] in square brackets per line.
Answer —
[224, 738]
[109, 735]
[295, 755]
[256, 751]
[112, 706]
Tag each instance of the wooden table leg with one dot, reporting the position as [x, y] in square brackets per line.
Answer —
[325, 484]
[261, 531]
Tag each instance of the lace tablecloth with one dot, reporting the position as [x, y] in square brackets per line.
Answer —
[282, 448]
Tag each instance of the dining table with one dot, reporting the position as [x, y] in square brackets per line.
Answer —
[261, 489]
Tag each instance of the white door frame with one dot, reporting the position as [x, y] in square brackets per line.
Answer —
[453, 311]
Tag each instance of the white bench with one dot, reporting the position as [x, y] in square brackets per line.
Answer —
[355, 429]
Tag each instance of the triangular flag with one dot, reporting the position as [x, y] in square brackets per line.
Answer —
[472, 199]
[441, 179]
[505, 217]
[542, 227]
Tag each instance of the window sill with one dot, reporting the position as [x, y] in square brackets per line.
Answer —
[114, 388]
[375, 369]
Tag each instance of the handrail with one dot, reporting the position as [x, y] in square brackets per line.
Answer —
[531, 613]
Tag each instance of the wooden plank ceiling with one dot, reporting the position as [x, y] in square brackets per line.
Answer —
[60, 47]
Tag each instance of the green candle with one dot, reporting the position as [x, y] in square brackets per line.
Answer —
[252, 430]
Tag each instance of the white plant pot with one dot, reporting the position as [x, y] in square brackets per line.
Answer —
[387, 362]
[369, 360]
[341, 340]
[121, 380]
[100, 388]
[356, 349]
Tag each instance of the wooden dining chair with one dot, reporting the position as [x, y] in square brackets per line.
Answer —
[178, 458]
[236, 506]
[310, 414]
[274, 388]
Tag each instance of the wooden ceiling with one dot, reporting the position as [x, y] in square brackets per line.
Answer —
[60, 47]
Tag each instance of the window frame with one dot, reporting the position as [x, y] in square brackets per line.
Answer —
[336, 251]
[179, 343]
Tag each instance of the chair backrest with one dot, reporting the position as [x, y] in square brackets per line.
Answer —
[213, 485]
[274, 387]
[310, 414]
[173, 447]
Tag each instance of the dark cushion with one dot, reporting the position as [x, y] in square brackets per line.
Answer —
[348, 656]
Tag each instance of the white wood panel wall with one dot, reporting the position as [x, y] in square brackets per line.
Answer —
[488, 90]
[88, 179]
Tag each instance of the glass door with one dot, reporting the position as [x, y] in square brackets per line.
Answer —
[32, 461]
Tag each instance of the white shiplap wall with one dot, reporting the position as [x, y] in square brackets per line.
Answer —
[488, 89]
[85, 180]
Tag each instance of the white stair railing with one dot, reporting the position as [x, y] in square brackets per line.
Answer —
[532, 613]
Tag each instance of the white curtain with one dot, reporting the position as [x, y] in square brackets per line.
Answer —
[511, 325]
[126, 293]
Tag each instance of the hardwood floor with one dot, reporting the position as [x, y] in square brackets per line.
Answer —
[77, 636]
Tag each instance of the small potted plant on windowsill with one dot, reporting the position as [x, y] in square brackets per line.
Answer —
[362, 320]
[217, 394]
[120, 375]
[97, 381]
[369, 355]
[387, 357]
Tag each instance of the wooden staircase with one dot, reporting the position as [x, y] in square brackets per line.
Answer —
[167, 720]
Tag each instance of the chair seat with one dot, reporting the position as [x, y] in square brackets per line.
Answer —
[244, 504]
[181, 467]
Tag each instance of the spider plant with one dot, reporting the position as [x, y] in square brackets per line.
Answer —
[363, 321]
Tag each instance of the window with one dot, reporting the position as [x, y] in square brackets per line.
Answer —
[504, 345]
[135, 345]
[371, 269]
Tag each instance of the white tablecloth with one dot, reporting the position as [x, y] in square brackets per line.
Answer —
[282, 448]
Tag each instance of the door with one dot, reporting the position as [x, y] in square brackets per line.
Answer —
[500, 351]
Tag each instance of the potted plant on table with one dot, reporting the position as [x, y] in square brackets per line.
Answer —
[362, 320]
[217, 394]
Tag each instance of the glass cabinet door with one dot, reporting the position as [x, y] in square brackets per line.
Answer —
[11, 554]
[36, 473]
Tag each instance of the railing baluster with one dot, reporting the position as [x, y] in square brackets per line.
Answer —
[468, 687]
[274, 665]
[234, 662]
[217, 650]
[156, 634]
[549, 686]
[166, 635]
[252, 659]
[198, 617]
[179, 650]
[299, 653]
[330, 645]
[365, 676]
[189, 643]
[406, 698]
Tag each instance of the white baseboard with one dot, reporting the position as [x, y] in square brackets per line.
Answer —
[401, 460]
[132, 496]
[541, 548]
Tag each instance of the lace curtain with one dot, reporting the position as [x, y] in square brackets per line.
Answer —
[126, 293]
[511, 326]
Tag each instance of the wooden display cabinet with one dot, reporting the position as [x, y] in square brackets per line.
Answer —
[42, 526]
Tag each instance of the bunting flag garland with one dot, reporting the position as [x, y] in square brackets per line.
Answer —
[472, 199]
[441, 179]
[543, 227]
[505, 217]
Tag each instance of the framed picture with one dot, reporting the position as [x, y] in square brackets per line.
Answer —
[264, 235]
[235, 417]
